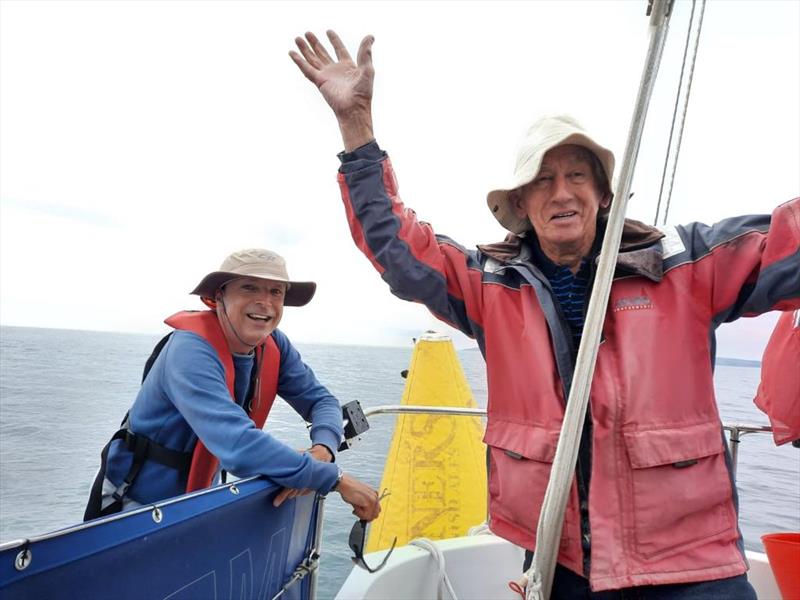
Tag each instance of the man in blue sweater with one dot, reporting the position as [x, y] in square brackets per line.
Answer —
[207, 394]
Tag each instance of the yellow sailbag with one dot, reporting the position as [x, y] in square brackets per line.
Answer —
[436, 467]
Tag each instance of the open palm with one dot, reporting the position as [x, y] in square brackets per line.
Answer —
[345, 85]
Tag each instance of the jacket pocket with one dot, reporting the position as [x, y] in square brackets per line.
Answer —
[521, 459]
[681, 488]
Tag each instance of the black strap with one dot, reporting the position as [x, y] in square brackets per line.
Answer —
[174, 459]
[140, 447]
[93, 509]
[143, 449]
[154, 354]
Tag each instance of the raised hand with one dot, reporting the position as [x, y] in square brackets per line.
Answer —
[345, 85]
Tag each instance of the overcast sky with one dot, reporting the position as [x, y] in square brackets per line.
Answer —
[142, 142]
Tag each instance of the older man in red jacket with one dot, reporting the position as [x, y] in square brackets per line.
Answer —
[652, 510]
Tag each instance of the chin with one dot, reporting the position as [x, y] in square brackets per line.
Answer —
[565, 241]
[261, 338]
[256, 338]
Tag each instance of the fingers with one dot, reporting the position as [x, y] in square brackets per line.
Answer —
[288, 494]
[368, 504]
[308, 53]
[365, 52]
[281, 497]
[368, 511]
[314, 55]
[307, 70]
[338, 47]
[317, 56]
[322, 54]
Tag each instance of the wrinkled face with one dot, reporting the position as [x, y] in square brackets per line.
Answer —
[562, 201]
[249, 309]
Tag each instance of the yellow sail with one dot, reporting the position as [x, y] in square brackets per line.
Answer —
[436, 467]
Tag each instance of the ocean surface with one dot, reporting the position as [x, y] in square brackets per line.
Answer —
[63, 393]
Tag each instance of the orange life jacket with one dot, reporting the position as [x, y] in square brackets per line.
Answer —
[206, 324]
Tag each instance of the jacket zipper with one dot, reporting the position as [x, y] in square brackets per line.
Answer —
[582, 467]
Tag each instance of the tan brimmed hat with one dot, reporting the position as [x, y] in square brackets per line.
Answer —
[260, 263]
[545, 134]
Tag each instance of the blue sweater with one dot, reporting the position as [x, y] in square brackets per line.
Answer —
[185, 396]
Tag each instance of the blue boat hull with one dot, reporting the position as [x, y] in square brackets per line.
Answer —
[215, 544]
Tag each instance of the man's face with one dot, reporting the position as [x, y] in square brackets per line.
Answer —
[249, 308]
[562, 202]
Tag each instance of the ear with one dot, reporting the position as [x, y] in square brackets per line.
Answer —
[517, 203]
[606, 201]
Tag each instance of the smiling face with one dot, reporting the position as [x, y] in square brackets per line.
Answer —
[249, 309]
[562, 203]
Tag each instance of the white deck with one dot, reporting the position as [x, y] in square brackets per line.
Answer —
[479, 567]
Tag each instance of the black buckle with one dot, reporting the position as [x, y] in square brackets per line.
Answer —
[120, 492]
[358, 535]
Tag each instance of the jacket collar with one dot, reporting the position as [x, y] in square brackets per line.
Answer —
[639, 254]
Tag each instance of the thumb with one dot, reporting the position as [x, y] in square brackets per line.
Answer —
[365, 51]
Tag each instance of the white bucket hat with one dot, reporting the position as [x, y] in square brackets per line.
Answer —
[545, 134]
[260, 263]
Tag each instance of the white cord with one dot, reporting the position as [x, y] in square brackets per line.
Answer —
[533, 587]
[438, 557]
[482, 529]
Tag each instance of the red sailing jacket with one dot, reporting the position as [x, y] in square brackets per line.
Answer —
[779, 392]
[206, 324]
[662, 500]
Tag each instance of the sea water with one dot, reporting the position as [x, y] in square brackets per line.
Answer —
[63, 393]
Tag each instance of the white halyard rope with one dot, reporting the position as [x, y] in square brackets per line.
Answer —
[444, 581]
[695, 27]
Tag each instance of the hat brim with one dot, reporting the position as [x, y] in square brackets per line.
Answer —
[499, 200]
[299, 293]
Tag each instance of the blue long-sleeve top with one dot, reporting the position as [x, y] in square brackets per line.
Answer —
[185, 397]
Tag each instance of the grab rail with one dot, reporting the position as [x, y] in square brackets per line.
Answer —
[736, 430]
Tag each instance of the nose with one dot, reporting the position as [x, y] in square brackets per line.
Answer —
[561, 189]
[264, 299]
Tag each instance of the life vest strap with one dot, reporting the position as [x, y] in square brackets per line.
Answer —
[140, 446]
[158, 453]
[143, 449]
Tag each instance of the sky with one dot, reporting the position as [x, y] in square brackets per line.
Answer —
[142, 142]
